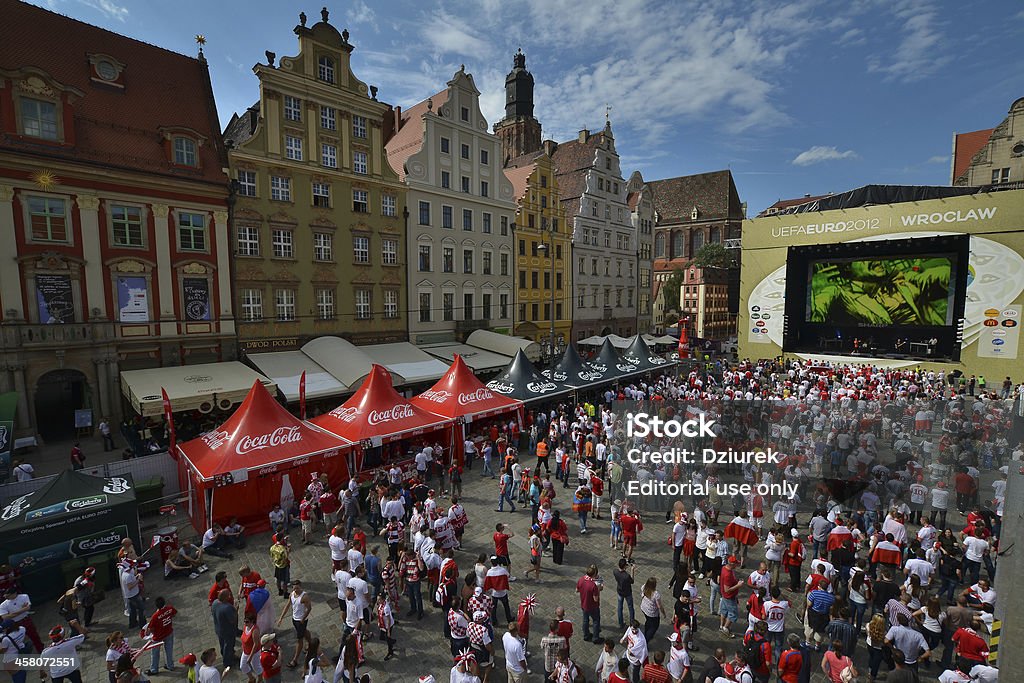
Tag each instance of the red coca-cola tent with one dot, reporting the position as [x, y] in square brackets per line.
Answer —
[260, 456]
[377, 414]
[459, 395]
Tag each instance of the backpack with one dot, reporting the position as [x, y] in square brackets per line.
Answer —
[25, 646]
[752, 651]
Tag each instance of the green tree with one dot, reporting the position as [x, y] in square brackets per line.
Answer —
[713, 255]
[671, 289]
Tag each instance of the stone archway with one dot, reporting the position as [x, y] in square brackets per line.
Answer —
[59, 393]
[605, 331]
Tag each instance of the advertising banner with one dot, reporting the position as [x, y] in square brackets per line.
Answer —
[1000, 333]
[197, 298]
[8, 406]
[54, 298]
[132, 300]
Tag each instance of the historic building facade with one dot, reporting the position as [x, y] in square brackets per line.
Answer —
[994, 156]
[604, 253]
[114, 217]
[319, 231]
[693, 211]
[543, 243]
[460, 270]
[640, 199]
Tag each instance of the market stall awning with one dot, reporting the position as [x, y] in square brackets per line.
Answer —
[595, 340]
[406, 360]
[522, 381]
[504, 344]
[640, 355]
[286, 368]
[617, 341]
[460, 394]
[190, 387]
[378, 414]
[663, 339]
[572, 371]
[260, 433]
[480, 360]
[349, 363]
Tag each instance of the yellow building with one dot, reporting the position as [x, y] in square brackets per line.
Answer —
[541, 277]
[318, 222]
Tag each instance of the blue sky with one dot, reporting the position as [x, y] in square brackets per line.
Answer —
[800, 96]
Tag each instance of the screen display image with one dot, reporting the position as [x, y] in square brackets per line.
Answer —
[882, 291]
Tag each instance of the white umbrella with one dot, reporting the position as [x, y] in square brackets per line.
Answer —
[591, 341]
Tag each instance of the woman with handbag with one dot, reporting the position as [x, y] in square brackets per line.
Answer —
[837, 666]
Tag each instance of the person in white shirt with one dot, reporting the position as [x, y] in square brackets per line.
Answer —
[921, 567]
[131, 586]
[515, 654]
[65, 651]
[342, 577]
[24, 472]
[679, 658]
[208, 673]
[338, 546]
[361, 588]
[422, 460]
[775, 611]
[636, 648]
[355, 558]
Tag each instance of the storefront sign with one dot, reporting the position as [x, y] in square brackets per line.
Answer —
[257, 345]
[196, 291]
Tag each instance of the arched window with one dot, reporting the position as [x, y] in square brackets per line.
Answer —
[716, 236]
[677, 245]
[659, 245]
[697, 241]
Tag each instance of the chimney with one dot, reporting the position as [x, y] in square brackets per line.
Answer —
[584, 134]
[549, 147]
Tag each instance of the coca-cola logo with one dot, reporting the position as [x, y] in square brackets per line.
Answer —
[278, 437]
[266, 470]
[400, 412]
[436, 396]
[214, 439]
[100, 542]
[541, 387]
[345, 414]
[501, 387]
[480, 394]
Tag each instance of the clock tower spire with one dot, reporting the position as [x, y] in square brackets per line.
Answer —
[519, 131]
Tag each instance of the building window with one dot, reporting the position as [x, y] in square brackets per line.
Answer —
[1000, 175]
[445, 145]
[581, 298]
[534, 248]
[485, 307]
[424, 213]
[547, 312]
[248, 240]
[282, 243]
[659, 245]
[608, 163]
[543, 201]
[487, 258]
[388, 205]
[48, 219]
[583, 270]
[425, 307]
[558, 252]
[522, 311]
[486, 223]
[600, 184]
[280, 188]
[465, 151]
[547, 280]
[425, 265]
[252, 304]
[446, 180]
[534, 280]
[360, 201]
[359, 127]
[292, 108]
[593, 266]
[504, 226]
[389, 252]
[465, 184]
[448, 306]
[390, 303]
[531, 222]
[522, 247]
[485, 157]
[185, 152]
[293, 147]
[446, 217]
[503, 264]
[284, 300]
[361, 249]
[323, 246]
[362, 304]
[247, 183]
[522, 279]
[716, 235]
[467, 306]
[322, 195]
[535, 312]
[467, 219]
[127, 224]
[329, 156]
[192, 232]
[593, 209]
[359, 162]
[464, 113]
[467, 261]
[607, 211]
[39, 119]
[325, 304]
[485, 188]
[325, 69]
[328, 121]
[448, 259]
[503, 306]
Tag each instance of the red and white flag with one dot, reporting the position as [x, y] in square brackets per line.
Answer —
[887, 553]
[742, 530]
[169, 416]
[838, 536]
[302, 396]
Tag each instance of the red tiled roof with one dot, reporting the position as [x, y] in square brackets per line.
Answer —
[115, 127]
[519, 177]
[572, 160]
[965, 146]
[714, 194]
[632, 199]
[409, 138]
[789, 203]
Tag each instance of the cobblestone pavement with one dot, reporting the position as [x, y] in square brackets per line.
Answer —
[421, 647]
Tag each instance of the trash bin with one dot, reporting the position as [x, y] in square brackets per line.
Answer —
[168, 542]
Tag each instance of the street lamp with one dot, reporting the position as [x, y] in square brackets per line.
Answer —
[547, 249]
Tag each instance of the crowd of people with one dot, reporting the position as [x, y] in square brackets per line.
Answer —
[866, 557]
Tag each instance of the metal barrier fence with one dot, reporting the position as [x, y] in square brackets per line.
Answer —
[146, 467]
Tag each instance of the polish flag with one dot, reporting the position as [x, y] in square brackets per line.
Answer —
[887, 553]
[838, 536]
[496, 581]
[742, 530]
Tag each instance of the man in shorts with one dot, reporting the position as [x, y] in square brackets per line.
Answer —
[629, 522]
[300, 606]
[729, 585]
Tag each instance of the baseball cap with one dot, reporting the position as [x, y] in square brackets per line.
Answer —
[261, 583]
[732, 559]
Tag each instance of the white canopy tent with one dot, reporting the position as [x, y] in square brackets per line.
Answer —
[191, 387]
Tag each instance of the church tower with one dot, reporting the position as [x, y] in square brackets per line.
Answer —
[519, 131]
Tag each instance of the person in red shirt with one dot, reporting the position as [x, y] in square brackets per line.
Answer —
[791, 661]
[329, 505]
[564, 626]
[655, 672]
[965, 489]
[622, 675]
[161, 628]
[306, 517]
[629, 522]
[359, 539]
[220, 583]
[970, 646]
[793, 559]
[590, 603]
[729, 585]
[757, 639]
[270, 657]
[249, 664]
[248, 580]
[501, 544]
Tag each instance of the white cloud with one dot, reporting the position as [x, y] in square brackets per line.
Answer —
[450, 35]
[360, 13]
[940, 159]
[108, 7]
[820, 153]
[852, 38]
[918, 54]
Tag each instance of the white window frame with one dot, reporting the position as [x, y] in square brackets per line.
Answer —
[389, 251]
[322, 195]
[293, 147]
[325, 69]
[284, 305]
[360, 249]
[247, 240]
[359, 127]
[35, 124]
[328, 118]
[323, 246]
[328, 155]
[391, 303]
[247, 183]
[361, 197]
[292, 108]
[388, 205]
[252, 304]
[283, 190]
[282, 242]
[186, 151]
[193, 231]
[138, 223]
[325, 309]
[359, 163]
[363, 303]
